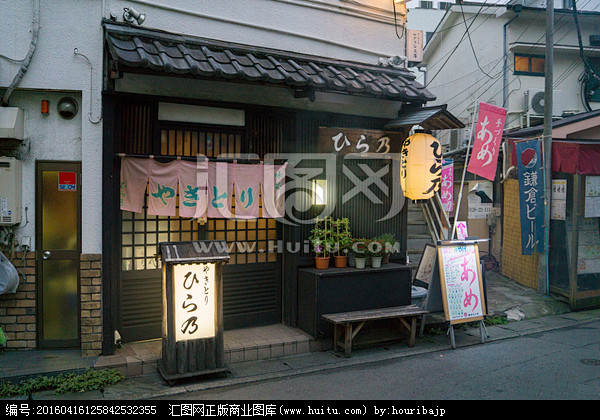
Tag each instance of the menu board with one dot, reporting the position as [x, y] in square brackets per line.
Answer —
[461, 282]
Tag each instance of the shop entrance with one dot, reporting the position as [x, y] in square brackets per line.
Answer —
[58, 243]
[251, 279]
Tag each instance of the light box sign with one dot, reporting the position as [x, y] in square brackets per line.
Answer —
[194, 287]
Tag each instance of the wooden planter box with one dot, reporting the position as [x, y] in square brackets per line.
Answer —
[348, 289]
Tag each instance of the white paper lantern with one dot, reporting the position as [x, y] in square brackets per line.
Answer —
[420, 166]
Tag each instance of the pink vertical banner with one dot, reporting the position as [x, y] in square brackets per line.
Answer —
[220, 190]
[162, 188]
[447, 185]
[246, 179]
[134, 179]
[193, 182]
[273, 191]
[488, 136]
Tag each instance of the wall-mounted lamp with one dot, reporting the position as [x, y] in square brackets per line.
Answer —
[319, 192]
[45, 108]
[130, 15]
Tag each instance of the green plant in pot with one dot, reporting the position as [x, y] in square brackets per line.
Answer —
[376, 250]
[359, 248]
[390, 246]
[321, 241]
[343, 242]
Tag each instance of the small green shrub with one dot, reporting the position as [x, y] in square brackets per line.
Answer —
[63, 383]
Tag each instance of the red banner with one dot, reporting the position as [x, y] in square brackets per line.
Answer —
[488, 136]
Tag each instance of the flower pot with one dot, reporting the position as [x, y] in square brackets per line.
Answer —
[386, 258]
[322, 263]
[340, 261]
[360, 262]
[351, 261]
[376, 262]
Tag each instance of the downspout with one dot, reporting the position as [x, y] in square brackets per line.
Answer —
[516, 9]
[25, 63]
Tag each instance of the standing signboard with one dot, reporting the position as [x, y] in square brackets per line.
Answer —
[192, 330]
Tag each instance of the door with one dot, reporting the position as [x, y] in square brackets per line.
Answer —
[58, 248]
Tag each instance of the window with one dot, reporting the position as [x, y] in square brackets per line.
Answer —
[426, 4]
[595, 63]
[529, 65]
[444, 5]
[567, 4]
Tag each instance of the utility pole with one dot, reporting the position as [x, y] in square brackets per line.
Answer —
[544, 260]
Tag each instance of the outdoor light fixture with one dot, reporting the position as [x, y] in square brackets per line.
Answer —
[420, 166]
[130, 15]
[45, 107]
[319, 192]
[192, 329]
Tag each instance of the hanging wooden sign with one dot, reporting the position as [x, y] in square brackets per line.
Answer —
[343, 141]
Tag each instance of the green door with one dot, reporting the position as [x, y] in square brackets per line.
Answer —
[58, 247]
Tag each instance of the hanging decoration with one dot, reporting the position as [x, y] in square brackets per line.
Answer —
[420, 166]
[488, 136]
[193, 183]
[529, 165]
[162, 188]
[246, 180]
[273, 191]
[134, 178]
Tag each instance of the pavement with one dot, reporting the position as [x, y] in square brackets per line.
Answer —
[528, 313]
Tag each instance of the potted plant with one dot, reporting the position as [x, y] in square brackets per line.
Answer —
[376, 249]
[389, 242]
[320, 238]
[343, 242]
[359, 247]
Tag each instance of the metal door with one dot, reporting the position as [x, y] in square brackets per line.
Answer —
[58, 249]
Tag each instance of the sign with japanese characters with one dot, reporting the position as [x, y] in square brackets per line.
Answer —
[194, 286]
[461, 282]
[67, 181]
[488, 136]
[530, 193]
[349, 140]
[447, 185]
[559, 199]
[415, 45]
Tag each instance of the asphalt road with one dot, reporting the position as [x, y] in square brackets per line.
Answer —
[558, 364]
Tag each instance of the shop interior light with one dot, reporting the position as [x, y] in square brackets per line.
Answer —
[319, 192]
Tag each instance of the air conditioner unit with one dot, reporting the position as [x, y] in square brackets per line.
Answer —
[10, 191]
[534, 102]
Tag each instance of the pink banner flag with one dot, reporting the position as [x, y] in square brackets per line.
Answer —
[247, 180]
[134, 178]
[273, 191]
[193, 182]
[488, 136]
[162, 188]
[220, 190]
[447, 184]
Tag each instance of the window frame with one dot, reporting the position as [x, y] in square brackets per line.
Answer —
[529, 61]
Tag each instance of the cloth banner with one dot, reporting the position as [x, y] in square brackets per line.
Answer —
[134, 178]
[273, 191]
[531, 184]
[193, 181]
[162, 188]
[488, 136]
[447, 185]
[246, 179]
[220, 190]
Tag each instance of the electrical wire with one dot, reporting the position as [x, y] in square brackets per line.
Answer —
[462, 12]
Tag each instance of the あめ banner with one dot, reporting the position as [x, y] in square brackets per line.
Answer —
[488, 136]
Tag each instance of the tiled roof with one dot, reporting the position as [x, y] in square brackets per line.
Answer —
[183, 55]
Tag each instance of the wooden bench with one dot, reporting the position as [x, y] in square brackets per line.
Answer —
[345, 320]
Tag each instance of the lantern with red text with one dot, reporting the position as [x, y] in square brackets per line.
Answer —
[420, 166]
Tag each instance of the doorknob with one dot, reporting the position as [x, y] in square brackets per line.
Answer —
[46, 255]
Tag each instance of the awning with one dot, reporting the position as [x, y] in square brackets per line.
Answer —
[569, 156]
[174, 54]
[430, 118]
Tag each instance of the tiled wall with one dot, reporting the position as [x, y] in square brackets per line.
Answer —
[91, 304]
[17, 311]
[520, 268]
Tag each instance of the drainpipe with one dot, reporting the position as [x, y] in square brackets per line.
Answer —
[516, 9]
[25, 63]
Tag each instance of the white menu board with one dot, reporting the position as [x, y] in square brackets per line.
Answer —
[461, 282]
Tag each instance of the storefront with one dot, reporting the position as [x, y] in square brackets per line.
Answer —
[574, 269]
[171, 97]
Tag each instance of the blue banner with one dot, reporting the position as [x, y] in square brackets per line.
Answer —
[531, 187]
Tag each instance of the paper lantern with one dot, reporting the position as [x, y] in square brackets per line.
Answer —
[420, 166]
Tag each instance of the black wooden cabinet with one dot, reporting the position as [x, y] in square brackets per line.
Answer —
[348, 289]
